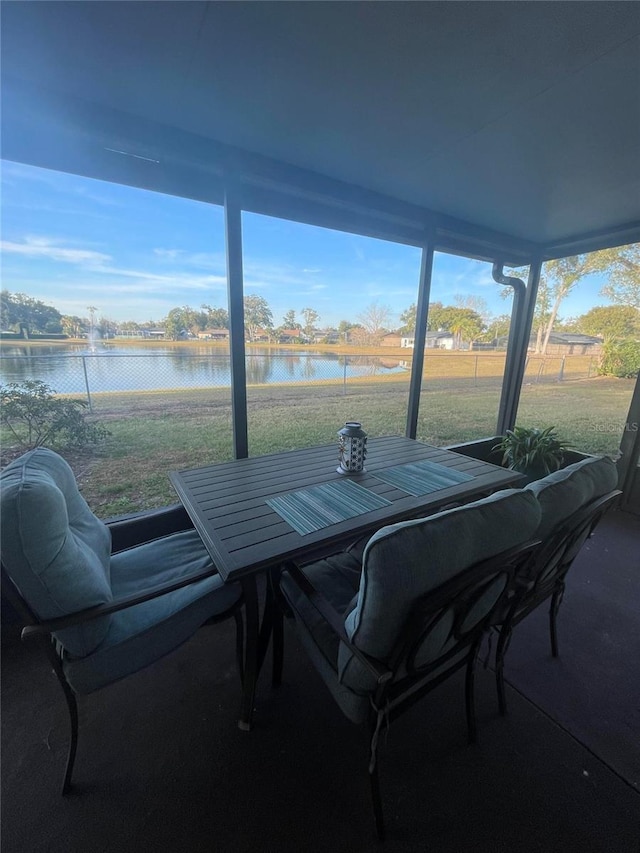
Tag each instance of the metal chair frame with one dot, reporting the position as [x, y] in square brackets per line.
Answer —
[547, 580]
[126, 533]
[393, 695]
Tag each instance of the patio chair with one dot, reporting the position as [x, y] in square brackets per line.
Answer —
[385, 630]
[572, 501]
[104, 600]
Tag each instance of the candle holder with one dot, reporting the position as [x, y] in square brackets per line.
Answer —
[352, 444]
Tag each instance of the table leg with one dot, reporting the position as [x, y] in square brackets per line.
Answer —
[278, 646]
[251, 651]
[257, 637]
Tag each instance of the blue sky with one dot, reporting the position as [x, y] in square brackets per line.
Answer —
[73, 242]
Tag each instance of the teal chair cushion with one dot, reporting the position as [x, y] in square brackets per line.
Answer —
[401, 563]
[53, 547]
[140, 635]
[563, 492]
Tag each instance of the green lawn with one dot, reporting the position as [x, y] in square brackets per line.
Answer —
[152, 434]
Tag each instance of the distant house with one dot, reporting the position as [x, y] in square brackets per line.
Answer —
[261, 335]
[127, 333]
[329, 336]
[214, 335]
[439, 340]
[392, 339]
[434, 340]
[570, 343]
[290, 336]
[154, 333]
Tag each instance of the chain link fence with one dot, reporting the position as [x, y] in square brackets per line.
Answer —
[172, 410]
[98, 376]
[487, 369]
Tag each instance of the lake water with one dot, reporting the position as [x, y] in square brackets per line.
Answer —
[112, 368]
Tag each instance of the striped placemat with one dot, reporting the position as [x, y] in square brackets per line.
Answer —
[320, 506]
[422, 478]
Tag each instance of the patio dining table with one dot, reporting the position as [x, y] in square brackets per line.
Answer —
[255, 514]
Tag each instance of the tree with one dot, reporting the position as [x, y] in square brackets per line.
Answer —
[622, 265]
[310, 319]
[437, 317]
[375, 320]
[553, 286]
[130, 327]
[562, 275]
[215, 318]
[621, 358]
[289, 321]
[541, 312]
[498, 327]
[73, 326]
[107, 328]
[176, 323]
[344, 328]
[359, 336]
[257, 315]
[475, 303]
[408, 320]
[182, 321]
[219, 318]
[465, 324]
[24, 314]
[557, 279]
[567, 324]
[611, 322]
[35, 416]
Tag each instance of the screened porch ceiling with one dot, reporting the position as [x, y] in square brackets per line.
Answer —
[500, 128]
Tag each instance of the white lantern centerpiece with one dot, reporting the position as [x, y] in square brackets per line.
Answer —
[352, 444]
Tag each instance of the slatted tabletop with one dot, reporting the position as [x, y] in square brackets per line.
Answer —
[228, 505]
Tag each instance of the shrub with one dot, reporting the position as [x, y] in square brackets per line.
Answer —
[621, 358]
[532, 450]
[36, 417]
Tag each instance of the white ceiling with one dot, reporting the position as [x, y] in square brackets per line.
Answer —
[520, 116]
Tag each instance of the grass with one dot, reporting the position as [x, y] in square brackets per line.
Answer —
[157, 434]
[153, 433]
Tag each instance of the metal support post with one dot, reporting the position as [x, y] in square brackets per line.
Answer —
[235, 290]
[422, 310]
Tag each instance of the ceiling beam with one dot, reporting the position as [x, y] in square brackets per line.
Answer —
[46, 129]
[43, 128]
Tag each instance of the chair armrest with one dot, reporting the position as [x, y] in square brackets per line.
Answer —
[127, 531]
[81, 616]
[335, 622]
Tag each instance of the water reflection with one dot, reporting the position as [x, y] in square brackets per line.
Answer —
[258, 370]
[111, 368]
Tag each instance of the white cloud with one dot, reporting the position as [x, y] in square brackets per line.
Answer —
[45, 247]
[215, 260]
[99, 198]
[103, 272]
[204, 260]
[261, 274]
[146, 282]
[169, 254]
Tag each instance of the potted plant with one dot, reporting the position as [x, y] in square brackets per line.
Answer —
[531, 451]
